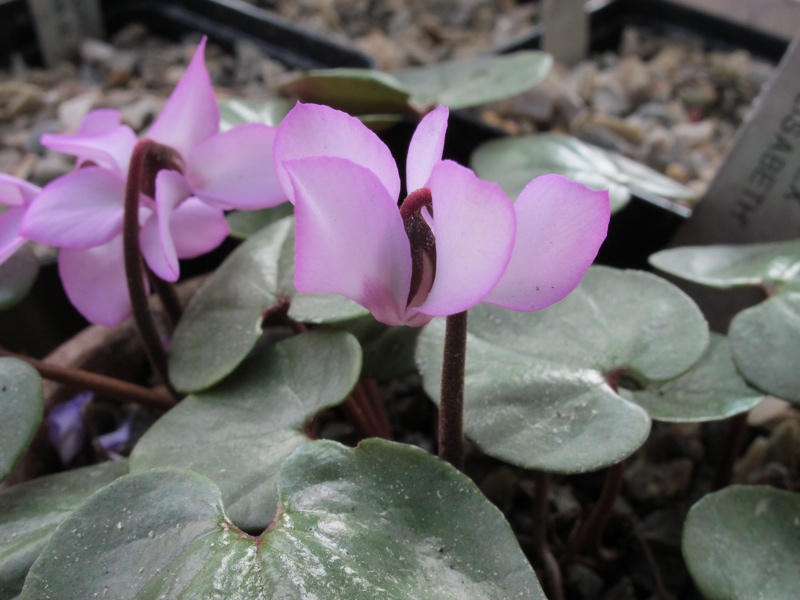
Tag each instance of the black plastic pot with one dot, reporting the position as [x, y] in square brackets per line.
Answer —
[224, 21]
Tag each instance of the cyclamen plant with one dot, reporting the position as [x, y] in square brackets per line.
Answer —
[249, 506]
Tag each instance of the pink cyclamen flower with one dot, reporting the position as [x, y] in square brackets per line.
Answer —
[453, 242]
[17, 195]
[181, 211]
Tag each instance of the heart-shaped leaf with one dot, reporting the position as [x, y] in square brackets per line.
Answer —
[537, 384]
[222, 323]
[476, 81]
[355, 91]
[17, 276]
[22, 407]
[728, 266]
[712, 389]
[31, 511]
[764, 338]
[513, 162]
[236, 111]
[764, 342]
[744, 542]
[381, 521]
[388, 351]
[239, 432]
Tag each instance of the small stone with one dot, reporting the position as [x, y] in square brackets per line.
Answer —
[689, 135]
[141, 112]
[72, 111]
[628, 130]
[52, 166]
[678, 172]
[28, 100]
[609, 96]
[33, 142]
[97, 52]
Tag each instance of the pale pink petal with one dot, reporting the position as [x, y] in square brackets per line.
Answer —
[350, 237]
[95, 282]
[197, 228]
[15, 191]
[79, 210]
[158, 247]
[100, 119]
[235, 169]
[473, 223]
[191, 114]
[560, 227]
[110, 148]
[426, 147]
[10, 240]
[314, 130]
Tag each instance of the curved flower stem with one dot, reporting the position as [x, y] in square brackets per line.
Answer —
[373, 394]
[100, 384]
[143, 165]
[451, 406]
[552, 570]
[169, 300]
[591, 532]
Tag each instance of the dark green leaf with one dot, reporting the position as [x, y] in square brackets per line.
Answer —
[465, 83]
[239, 432]
[382, 521]
[536, 383]
[244, 223]
[513, 162]
[743, 543]
[21, 407]
[31, 511]
[235, 112]
[712, 389]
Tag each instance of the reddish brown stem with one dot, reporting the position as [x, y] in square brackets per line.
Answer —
[100, 384]
[355, 414]
[451, 406]
[173, 310]
[591, 532]
[379, 407]
[145, 162]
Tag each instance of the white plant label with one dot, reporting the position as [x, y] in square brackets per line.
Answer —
[755, 196]
[62, 24]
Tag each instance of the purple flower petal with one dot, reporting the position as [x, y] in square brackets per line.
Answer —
[15, 191]
[66, 428]
[473, 222]
[100, 119]
[426, 147]
[158, 248]
[560, 227]
[235, 169]
[108, 148]
[77, 211]
[191, 114]
[113, 441]
[350, 238]
[10, 240]
[197, 228]
[314, 130]
[95, 282]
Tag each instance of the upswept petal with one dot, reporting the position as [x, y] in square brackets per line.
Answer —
[10, 240]
[79, 210]
[95, 283]
[100, 119]
[425, 149]
[191, 114]
[234, 169]
[350, 238]
[314, 130]
[473, 223]
[158, 247]
[560, 227]
[197, 228]
[109, 148]
[15, 191]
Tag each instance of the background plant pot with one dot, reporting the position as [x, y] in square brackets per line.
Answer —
[224, 21]
[649, 222]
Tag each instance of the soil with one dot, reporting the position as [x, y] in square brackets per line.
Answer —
[640, 556]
